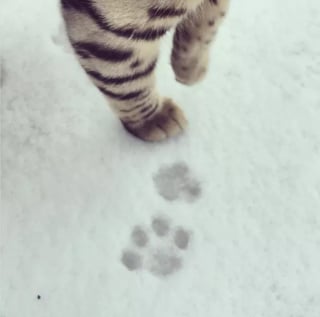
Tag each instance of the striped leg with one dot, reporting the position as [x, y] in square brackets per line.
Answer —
[133, 96]
[193, 36]
[121, 60]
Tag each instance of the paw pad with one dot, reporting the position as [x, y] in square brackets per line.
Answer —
[139, 237]
[160, 251]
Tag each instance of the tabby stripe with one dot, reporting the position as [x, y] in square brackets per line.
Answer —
[122, 80]
[128, 96]
[132, 109]
[214, 2]
[73, 4]
[103, 52]
[149, 34]
[82, 54]
[145, 117]
[144, 96]
[145, 109]
[150, 113]
[162, 13]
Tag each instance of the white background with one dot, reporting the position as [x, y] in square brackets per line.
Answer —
[74, 183]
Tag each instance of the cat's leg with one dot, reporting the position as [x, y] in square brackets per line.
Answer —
[131, 91]
[192, 40]
[121, 61]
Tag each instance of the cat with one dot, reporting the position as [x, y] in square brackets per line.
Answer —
[117, 44]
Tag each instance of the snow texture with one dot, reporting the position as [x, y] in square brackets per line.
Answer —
[88, 225]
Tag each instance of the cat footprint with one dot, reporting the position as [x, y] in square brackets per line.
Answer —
[177, 182]
[158, 250]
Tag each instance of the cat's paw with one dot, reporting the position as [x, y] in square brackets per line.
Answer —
[189, 70]
[168, 122]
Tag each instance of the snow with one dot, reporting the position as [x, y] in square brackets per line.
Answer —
[245, 177]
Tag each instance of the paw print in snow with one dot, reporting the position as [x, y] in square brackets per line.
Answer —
[160, 251]
[176, 182]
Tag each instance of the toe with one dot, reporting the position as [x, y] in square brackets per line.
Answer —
[152, 133]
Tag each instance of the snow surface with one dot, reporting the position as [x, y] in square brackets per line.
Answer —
[246, 176]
